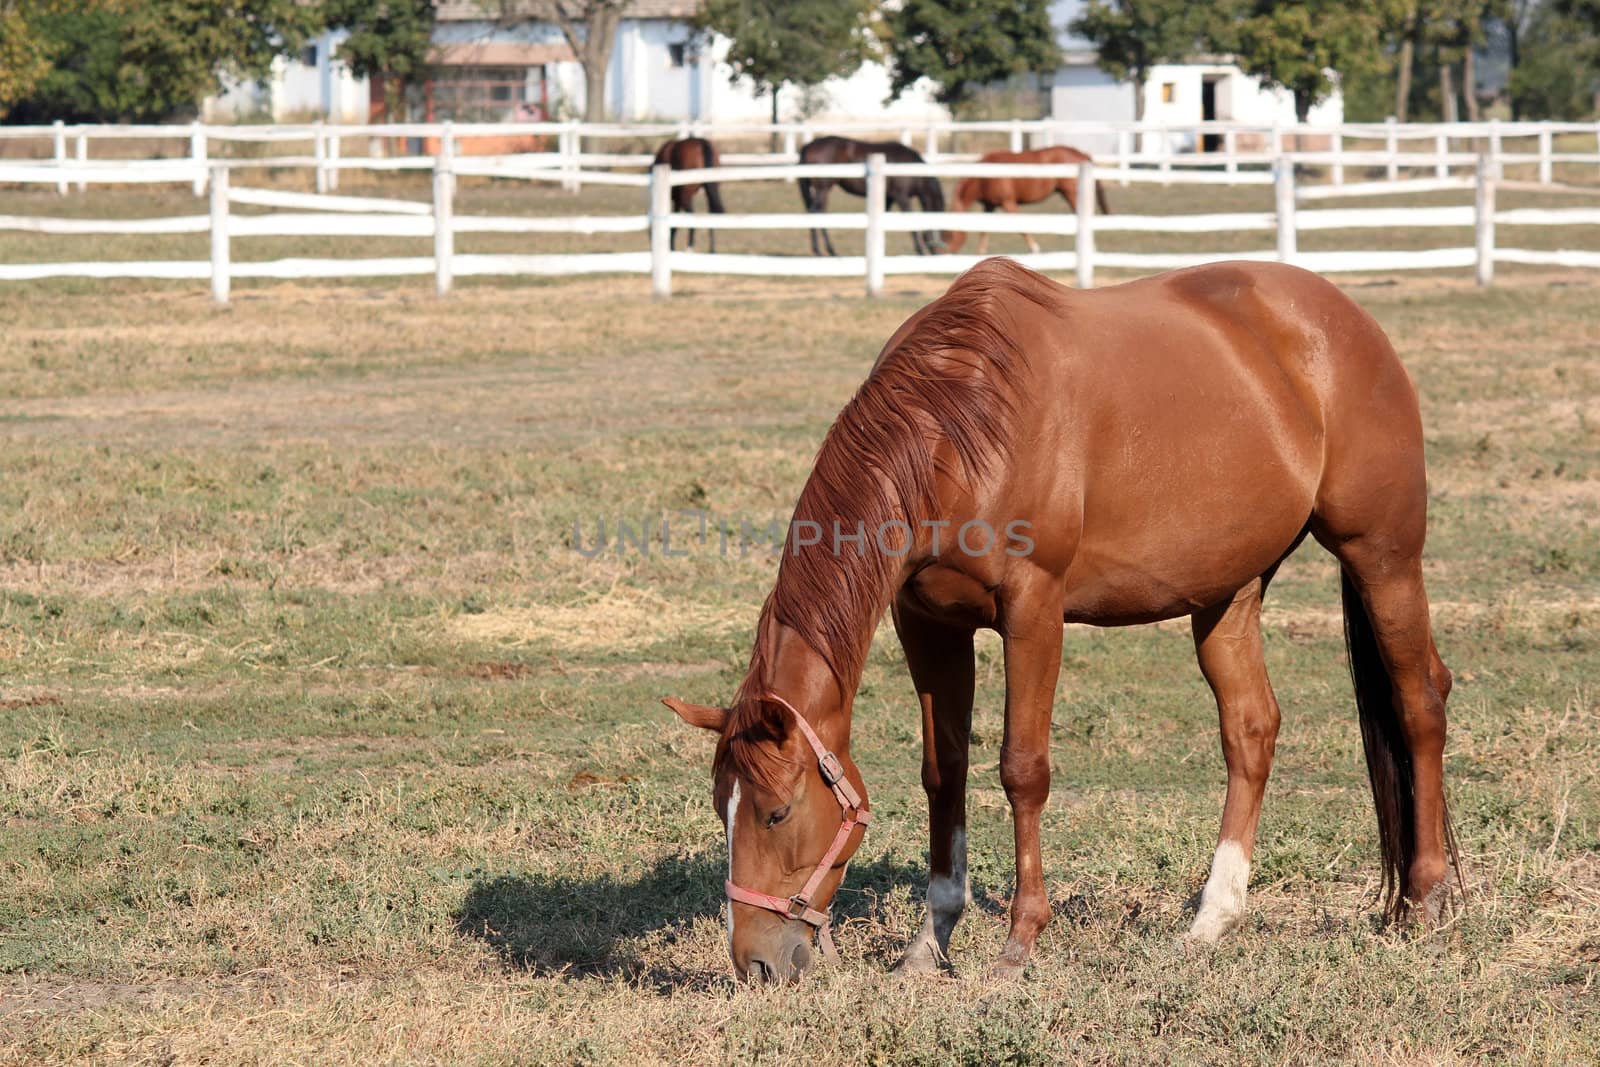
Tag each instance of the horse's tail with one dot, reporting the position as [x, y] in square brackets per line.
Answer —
[805, 193]
[714, 197]
[1388, 754]
[1100, 198]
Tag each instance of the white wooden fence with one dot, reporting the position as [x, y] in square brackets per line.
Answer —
[309, 214]
[1398, 148]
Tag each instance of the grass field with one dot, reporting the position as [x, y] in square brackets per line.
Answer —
[322, 743]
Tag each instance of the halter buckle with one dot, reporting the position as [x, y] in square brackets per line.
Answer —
[798, 906]
[832, 769]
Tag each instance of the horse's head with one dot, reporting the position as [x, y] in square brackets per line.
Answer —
[790, 831]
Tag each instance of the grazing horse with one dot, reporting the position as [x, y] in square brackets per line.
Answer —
[1007, 193]
[691, 153]
[899, 192]
[1024, 454]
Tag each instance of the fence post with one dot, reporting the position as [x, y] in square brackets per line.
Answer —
[1494, 148]
[334, 152]
[930, 144]
[1336, 143]
[570, 158]
[1016, 135]
[319, 152]
[1391, 147]
[1283, 182]
[877, 205]
[197, 156]
[83, 160]
[1125, 152]
[1441, 146]
[1230, 146]
[1484, 220]
[1546, 167]
[660, 230]
[1085, 236]
[60, 138]
[220, 280]
[790, 149]
[444, 233]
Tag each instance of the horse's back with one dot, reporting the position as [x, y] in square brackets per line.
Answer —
[1194, 415]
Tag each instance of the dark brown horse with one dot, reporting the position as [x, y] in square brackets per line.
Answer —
[998, 470]
[691, 153]
[899, 192]
[1007, 193]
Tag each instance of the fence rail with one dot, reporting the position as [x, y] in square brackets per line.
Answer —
[321, 214]
[1393, 146]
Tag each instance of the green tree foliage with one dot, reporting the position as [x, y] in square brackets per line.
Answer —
[1557, 70]
[791, 42]
[962, 45]
[1131, 36]
[387, 37]
[27, 47]
[152, 59]
[1295, 43]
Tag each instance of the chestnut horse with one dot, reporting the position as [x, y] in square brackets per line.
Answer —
[998, 469]
[1007, 193]
[899, 192]
[691, 153]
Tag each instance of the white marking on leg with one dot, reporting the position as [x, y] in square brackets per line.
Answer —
[1222, 900]
[948, 897]
[733, 808]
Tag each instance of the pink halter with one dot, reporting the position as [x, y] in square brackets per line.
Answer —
[852, 814]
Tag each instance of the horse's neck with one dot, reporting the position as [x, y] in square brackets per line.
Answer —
[785, 664]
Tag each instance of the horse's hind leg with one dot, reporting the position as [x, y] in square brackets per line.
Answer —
[1401, 686]
[714, 206]
[940, 659]
[1227, 641]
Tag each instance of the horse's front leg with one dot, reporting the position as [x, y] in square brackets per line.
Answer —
[940, 658]
[1227, 640]
[1032, 637]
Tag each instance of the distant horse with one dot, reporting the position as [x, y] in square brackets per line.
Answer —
[1021, 455]
[691, 153]
[1007, 193]
[900, 192]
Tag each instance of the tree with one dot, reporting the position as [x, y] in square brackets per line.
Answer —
[1294, 44]
[962, 45]
[791, 42]
[590, 27]
[1131, 36]
[28, 48]
[1556, 62]
[389, 40]
[151, 59]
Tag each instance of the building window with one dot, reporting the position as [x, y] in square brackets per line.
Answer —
[677, 54]
[1169, 92]
[487, 94]
[308, 55]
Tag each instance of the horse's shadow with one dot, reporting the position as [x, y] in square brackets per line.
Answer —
[617, 927]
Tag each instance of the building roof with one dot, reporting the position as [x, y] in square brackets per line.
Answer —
[476, 11]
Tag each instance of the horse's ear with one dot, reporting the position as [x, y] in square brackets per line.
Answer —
[707, 718]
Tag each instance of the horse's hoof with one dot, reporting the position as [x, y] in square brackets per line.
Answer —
[916, 963]
[1007, 970]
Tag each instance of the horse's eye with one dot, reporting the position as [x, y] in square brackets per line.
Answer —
[777, 816]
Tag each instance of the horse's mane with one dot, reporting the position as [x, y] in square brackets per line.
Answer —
[942, 402]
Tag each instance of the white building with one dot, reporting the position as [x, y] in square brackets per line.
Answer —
[1174, 93]
[517, 66]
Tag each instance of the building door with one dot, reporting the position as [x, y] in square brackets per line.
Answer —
[1208, 110]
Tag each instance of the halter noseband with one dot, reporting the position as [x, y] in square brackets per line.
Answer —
[851, 813]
